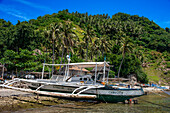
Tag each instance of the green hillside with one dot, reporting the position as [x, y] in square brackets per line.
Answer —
[140, 45]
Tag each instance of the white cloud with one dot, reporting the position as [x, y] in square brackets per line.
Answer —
[19, 16]
[12, 11]
[41, 7]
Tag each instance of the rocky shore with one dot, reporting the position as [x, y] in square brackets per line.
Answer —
[8, 92]
[16, 101]
[11, 100]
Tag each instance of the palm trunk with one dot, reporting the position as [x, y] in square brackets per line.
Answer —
[87, 51]
[53, 59]
[121, 65]
[102, 53]
[61, 57]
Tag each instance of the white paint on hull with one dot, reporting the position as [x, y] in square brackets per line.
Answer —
[116, 92]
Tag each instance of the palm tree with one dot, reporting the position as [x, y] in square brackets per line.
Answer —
[67, 38]
[55, 32]
[53, 35]
[126, 47]
[88, 37]
[46, 41]
[94, 49]
[80, 49]
[104, 44]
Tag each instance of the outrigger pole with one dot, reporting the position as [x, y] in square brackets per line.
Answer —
[68, 58]
[108, 75]
[57, 94]
[104, 69]
[43, 71]
[95, 74]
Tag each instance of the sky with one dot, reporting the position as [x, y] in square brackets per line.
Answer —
[24, 10]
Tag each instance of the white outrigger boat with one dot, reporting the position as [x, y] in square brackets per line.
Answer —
[69, 84]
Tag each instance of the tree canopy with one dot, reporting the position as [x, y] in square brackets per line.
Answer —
[86, 38]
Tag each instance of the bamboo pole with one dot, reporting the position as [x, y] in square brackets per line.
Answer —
[43, 71]
[108, 74]
[95, 73]
[57, 94]
[104, 72]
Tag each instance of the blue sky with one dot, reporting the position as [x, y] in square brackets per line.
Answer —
[24, 10]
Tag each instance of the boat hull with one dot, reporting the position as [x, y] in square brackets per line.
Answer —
[114, 98]
[102, 94]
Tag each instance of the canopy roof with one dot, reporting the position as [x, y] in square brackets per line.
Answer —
[75, 68]
[100, 69]
[84, 64]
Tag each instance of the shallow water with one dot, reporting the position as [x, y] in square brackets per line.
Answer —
[152, 103]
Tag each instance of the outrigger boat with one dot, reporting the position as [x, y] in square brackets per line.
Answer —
[81, 85]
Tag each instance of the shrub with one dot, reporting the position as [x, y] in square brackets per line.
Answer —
[168, 65]
[111, 74]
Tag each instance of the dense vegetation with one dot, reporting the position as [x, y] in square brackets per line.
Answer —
[127, 41]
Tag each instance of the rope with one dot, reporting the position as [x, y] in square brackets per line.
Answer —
[102, 97]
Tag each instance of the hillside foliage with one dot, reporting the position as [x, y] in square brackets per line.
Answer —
[127, 41]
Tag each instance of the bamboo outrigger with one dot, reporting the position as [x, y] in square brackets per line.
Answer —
[57, 94]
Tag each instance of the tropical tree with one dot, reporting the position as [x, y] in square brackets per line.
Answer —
[126, 47]
[104, 44]
[23, 35]
[68, 38]
[94, 49]
[53, 34]
[80, 51]
[88, 35]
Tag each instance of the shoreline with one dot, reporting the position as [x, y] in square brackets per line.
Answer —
[11, 101]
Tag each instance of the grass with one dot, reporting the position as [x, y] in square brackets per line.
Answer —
[79, 32]
[154, 75]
